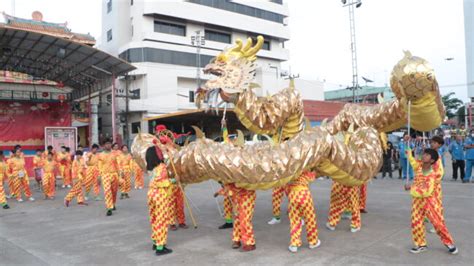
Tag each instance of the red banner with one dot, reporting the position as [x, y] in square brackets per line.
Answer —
[24, 122]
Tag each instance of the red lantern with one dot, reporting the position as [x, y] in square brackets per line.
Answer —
[61, 98]
[45, 94]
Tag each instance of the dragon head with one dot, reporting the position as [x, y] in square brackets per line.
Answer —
[234, 70]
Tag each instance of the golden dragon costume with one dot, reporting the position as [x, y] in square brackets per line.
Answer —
[351, 160]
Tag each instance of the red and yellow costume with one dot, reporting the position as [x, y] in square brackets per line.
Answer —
[277, 198]
[342, 198]
[228, 206]
[177, 205]
[159, 193]
[109, 170]
[125, 165]
[3, 175]
[49, 178]
[16, 170]
[301, 207]
[139, 180]
[64, 160]
[244, 204]
[426, 203]
[79, 176]
[92, 174]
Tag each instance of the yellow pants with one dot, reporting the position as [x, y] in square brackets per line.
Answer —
[110, 184]
[158, 207]
[244, 203]
[277, 198]
[343, 197]
[49, 184]
[301, 207]
[76, 191]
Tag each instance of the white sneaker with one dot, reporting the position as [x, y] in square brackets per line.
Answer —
[8, 196]
[19, 200]
[274, 221]
[86, 198]
[31, 199]
[316, 245]
[68, 186]
[293, 249]
[432, 230]
[63, 186]
[328, 226]
[355, 230]
[302, 222]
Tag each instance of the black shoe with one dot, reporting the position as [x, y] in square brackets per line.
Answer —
[452, 249]
[419, 249]
[127, 196]
[226, 226]
[154, 247]
[391, 176]
[164, 251]
[109, 213]
[465, 181]
[114, 209]
[6, 207]
[122, 196]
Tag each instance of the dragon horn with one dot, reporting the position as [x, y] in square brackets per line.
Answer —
[199, 133]
[247, 46]
[238, 46]
[253, 51]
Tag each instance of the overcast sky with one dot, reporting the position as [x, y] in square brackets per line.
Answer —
[320, 38]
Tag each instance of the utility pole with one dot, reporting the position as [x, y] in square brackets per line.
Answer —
[126, 133]
[114, 124]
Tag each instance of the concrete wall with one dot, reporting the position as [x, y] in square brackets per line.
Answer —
[469, 36]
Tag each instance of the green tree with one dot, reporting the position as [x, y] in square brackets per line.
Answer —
[452, 104]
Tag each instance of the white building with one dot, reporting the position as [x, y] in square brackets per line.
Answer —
[156, 37]
[469, 36]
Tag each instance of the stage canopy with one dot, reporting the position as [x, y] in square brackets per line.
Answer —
[66, 61]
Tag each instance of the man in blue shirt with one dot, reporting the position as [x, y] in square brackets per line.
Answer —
[469, 145]
[456, 149]
[402, 145]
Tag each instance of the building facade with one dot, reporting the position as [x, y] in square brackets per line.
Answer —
[366, 94]
[469, 37]
[156, 36]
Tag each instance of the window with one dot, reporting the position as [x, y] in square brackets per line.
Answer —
[170, 28]
[242, 9]
[191, 96]
[109, 35]
[136, 127]
[109, 6]
[135, 94]
[154, 55]
[108, 99]
[217, 36]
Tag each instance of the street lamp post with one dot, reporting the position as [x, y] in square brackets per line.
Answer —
[355, 79]
[198, 41]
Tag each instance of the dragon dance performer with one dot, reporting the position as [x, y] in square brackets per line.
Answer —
[277, 199]
[159, 200]
[437, 143]
[178, 218]
[109, 170]
[425, 202]
[16, 170]
[125, 164]
[79, 174]
[243, 201]
[3, 175]
[342, 198]
[301, 208]
[10, 179]
[228, 207]
[138, 172]
[49, 178]
[92, 173]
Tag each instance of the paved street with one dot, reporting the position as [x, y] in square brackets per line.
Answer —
[46, 233]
